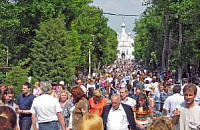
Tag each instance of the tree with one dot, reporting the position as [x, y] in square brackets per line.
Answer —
[53, 51]
[94, 33]
[178, 38]
[17, 77]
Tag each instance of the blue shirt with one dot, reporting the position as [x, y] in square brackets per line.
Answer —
[164, 96]
[25, 103]
[157, 97]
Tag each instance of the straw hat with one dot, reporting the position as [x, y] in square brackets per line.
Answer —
[97, 93]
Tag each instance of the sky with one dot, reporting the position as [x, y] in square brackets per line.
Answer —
[133, 7]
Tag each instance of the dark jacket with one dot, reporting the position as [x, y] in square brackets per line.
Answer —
[129, 113]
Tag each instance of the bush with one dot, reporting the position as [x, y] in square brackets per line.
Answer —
[17, 77]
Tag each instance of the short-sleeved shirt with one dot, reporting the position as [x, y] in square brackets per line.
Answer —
[164, 96]
[25, 103]
[157, 97]
[46, 108]
[172, 101]
[189, 118]
[141, 114]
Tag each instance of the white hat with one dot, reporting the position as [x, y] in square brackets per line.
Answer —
[62, 83]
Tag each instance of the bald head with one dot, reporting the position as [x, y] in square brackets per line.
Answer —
[115, 101]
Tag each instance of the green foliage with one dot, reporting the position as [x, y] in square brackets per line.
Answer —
[17, 77]
[96, 35]
[150, 32]
[53, 37]
[110, 47]
[52, 52]
[147, 39]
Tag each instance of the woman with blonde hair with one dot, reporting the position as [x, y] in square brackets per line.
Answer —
[66, 105]
[161, 123]
[90, 122]
[36, 91]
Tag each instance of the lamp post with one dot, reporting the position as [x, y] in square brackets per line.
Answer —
[7, 57]
[89, 74]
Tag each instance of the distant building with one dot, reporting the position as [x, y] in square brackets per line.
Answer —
[125, 44]
[12, 1]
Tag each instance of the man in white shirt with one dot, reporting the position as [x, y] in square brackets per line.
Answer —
[125, 99]
[185, 81]
[47, 110]
[187, 113]
[172, 101]
[118, 116]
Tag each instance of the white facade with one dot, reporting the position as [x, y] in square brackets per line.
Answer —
[125, 44]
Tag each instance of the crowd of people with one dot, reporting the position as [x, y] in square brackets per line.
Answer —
[124, 96]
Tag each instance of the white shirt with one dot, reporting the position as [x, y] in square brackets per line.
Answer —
[109, 79]
[70, 118]
[197, 98]
[172, 101]
[83, 88]
[46, 108]
[148, 78]
[90, 86]
[117, 119]
[182, 87]
[155, 85]
[189, 118]
[129, 101]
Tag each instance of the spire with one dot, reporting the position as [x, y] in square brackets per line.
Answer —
[123, 28]
[123, 25]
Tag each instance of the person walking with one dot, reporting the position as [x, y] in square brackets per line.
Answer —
[81, 106]
[164, 95]
[47, 109]
[97, 102]
[187, 113]
[66, 104]
[23, 106]
[172, 101]
[118, 116]
[143, 112]
[125, 99]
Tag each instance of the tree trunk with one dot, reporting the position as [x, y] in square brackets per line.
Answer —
[169, 50]
[99, 65]
[165, 27]
[179, 50]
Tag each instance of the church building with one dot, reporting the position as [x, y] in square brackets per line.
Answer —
[125, 44]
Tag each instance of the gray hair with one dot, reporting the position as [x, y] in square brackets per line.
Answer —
[45, 87]
[126, 90]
